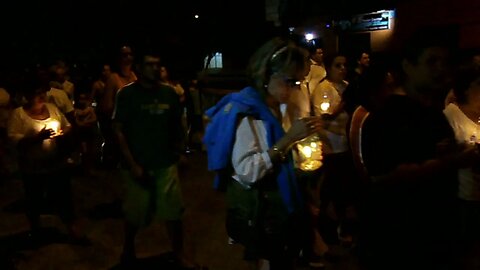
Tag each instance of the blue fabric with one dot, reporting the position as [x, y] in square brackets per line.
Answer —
[220, 135]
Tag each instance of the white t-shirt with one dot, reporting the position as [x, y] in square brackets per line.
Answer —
[316, 75]
[41, 157]
[60, 99]
[465, 129]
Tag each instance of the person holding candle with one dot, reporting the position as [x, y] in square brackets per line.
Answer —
[338, 187]
[36, 129]
[250, 151]
[306, 161]
[464, 117]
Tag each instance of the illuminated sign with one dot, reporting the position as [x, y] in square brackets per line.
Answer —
[379, 20]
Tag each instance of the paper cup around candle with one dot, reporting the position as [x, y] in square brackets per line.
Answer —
[54, 125]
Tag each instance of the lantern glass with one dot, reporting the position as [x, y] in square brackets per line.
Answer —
[310, 153]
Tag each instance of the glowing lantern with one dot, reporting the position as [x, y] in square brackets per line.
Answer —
[310, 153]
[325, 104]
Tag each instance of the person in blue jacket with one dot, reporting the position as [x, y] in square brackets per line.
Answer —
[250, 151]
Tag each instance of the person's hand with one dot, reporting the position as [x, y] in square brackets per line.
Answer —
[45, 133]
[304, 127]
[469, 156]
[143, 177]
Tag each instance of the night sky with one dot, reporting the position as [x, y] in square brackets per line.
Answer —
[91, 29]
[87, 33]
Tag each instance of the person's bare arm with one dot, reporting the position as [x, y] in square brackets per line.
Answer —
[108, 101]
[136, 169]
[411, 173]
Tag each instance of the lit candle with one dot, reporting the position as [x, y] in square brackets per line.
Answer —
[53, 125]
[325, 105]
[310, 151]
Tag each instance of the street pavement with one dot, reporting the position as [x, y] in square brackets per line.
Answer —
[96, 200]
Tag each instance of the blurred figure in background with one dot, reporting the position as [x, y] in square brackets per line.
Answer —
[86, 121]
[5, 110]
[60, 79]
[122, 74]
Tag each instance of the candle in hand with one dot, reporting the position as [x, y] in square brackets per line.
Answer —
[310, 153]
[54, 125]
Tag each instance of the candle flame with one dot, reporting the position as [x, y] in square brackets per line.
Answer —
[54, 125]
[324, 106]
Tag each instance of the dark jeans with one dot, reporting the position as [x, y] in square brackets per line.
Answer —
[341, 187]
[48, 191]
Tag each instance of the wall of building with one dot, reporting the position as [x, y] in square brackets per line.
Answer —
[464, 14]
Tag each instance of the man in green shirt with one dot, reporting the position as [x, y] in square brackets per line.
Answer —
[147, 125]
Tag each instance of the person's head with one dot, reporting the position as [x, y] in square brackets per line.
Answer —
[163, 74]
[363, 60]
[149, 68]
[59, 73]
[106, 71]
[83, 100]
[467, 86]
[315, 49]
[336, 66]
[41, 78]
[277, 68]
[126, 55]
[4, 98]
[476, 60]
[375, 84]
[35, 89]
[426, 63]
[317, 55]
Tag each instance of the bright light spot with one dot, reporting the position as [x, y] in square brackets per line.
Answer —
[308, 36]
[196, 16]
[325, 106]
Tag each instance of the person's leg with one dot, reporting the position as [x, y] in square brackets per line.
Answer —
[33, 187]
[60, 197]
[128, 256]
[176, 237]
[135, 208]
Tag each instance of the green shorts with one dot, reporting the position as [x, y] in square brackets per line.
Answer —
[159, 200]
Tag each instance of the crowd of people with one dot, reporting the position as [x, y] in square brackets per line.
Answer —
[398, 182]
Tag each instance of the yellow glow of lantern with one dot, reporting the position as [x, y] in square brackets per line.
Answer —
[310, 153]
[325, 103]
[325, 106]
[54, 125]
